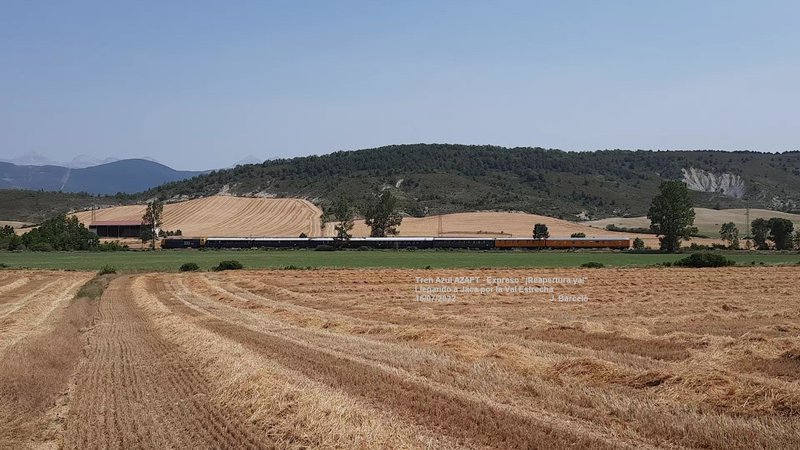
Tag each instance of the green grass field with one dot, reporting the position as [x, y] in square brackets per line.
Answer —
[170, 260]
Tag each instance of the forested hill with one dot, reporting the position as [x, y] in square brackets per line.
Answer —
[437, 178]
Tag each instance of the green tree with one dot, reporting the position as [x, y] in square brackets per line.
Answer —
[6, 236]
[383, 215]
[671, 215]
[781, 232]
[343, 213]
[759, 229]
[151, 222]
[7, 231]
[730, 234]
[540, 231]
[638, 244]
[60, 233]
[14, 243]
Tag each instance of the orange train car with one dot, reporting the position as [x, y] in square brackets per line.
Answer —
[613, 243]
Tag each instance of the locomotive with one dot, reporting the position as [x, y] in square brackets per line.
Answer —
[397, 242]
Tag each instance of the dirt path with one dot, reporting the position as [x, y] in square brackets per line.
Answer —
[137, 391]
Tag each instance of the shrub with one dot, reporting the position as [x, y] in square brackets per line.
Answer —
[704, 260]
[113, 246]
[411, 248]
[593, 265]
[5, 266]
[324, 248]
[577, 235]
[228, 265]
[13, 243]
[105, 270]
[42, 247]
[639, 230]
[638, 244]
[189, 267]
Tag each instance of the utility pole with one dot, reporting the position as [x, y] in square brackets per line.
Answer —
[747, 224]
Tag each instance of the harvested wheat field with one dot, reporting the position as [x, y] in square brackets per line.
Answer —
[40, 347]
[13, 224]
[708, 221]
[652, 358]
[226, 216]
[488, 224]
[19, 227]
[500, 224]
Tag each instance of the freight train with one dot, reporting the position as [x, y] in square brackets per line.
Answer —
[472, 243]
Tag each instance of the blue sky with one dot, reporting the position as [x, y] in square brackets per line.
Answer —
[202, 84]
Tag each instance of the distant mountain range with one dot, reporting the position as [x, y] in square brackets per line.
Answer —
[78, 162]
[126, 176]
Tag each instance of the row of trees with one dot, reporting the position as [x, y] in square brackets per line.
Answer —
[776, 230]
[672, 218]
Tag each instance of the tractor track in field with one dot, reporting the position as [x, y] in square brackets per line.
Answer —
[138, 391]
[16, 291]
[28, 307]
[10, 286]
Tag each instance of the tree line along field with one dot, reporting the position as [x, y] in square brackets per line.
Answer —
[171, 260]
[655, 358]
[707, 221]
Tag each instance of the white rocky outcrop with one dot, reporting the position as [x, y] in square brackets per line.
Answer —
[729, 184]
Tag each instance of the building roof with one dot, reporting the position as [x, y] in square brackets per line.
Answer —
[116, 223]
